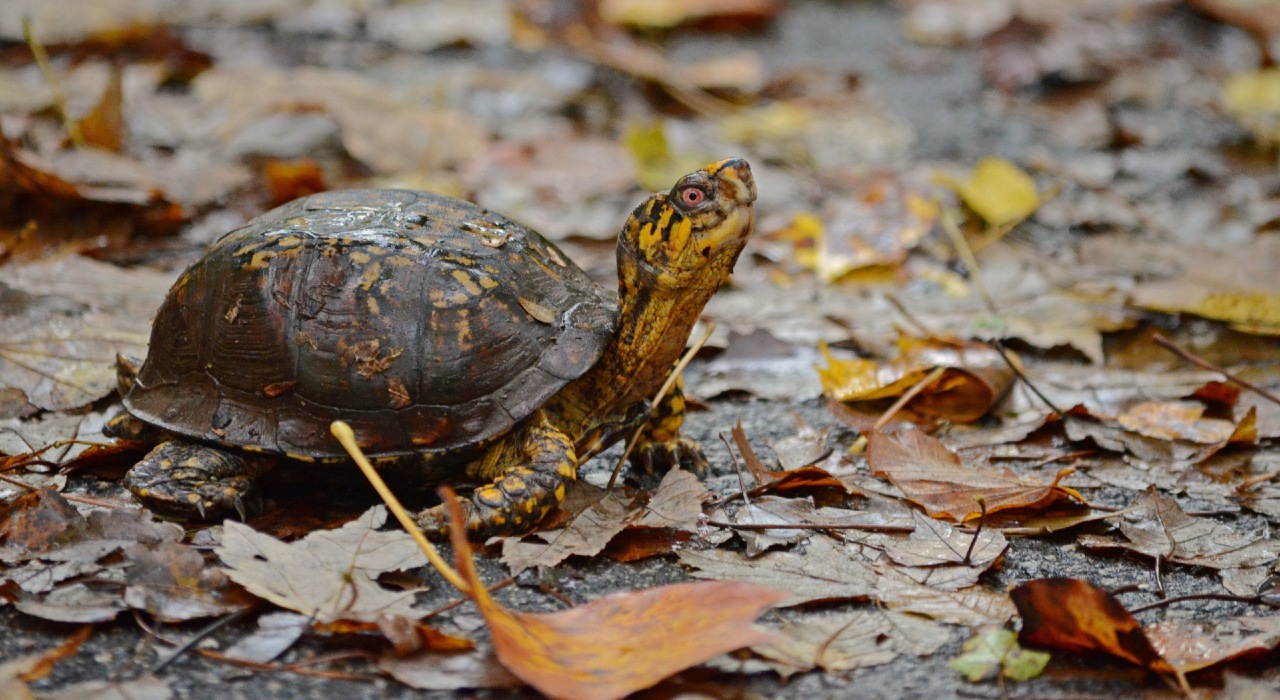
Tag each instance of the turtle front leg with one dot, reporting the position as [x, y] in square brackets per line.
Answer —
[661, 446]
[197, 482]
[529, 475]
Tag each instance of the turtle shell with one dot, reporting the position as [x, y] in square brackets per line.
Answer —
[427, 323]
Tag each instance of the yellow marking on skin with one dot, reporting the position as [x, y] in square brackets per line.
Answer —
[559, 495]
[166, 464]
[191, 462]
[359, 257]
[299, 458]
[515, 483]
[498, 519]
[253, 448]
[193, 498]
[527, 505]
[467, 282]
[565, 470]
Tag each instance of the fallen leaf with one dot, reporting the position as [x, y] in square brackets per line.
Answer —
[434, 670]
[144, 688]
[1175, 420]
[851, 640]
[976, 377]
[1072, 614]
[676, 503]
[171, 583]
[668, 14]
[330, 575]
[933, 476]
[276, 632]
[1158, 527]
[1253, 99]
[998, 191]
[994, 652]
[936, 543]
[78, 603]
[621, 643]
[824, 570]
[1190, 645]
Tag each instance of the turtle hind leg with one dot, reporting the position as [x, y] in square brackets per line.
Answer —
[197, 482]
[529, 476]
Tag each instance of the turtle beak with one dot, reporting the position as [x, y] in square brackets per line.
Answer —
[734, 176]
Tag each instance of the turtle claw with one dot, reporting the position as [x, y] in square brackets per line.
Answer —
[200, 509]
[238, 503]
[193, 481]
[661, 457]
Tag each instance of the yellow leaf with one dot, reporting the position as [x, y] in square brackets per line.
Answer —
[1253, 99]
[998, 191]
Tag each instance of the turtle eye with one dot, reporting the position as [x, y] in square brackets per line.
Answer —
[691, 197]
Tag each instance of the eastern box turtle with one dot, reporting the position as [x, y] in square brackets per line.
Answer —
[448, 336]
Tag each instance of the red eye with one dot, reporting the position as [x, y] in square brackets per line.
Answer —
[692, 196]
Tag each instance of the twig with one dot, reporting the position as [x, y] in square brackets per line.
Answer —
[907, 396]
[453, 604]
[737, 466]
[982, 519]
[1004, 355]
[51, 79]
[199, 636]
[347, 437]
[867, 527]
[969, 259]
[1252, 600]
[672, 378]
[1202, 363]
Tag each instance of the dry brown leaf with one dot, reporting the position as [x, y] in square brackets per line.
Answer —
[618, 644]
[676, 503]
[826, 571]
[329, 574]
[851, 640]
[1073, 614]
[1158, 527]
[144, 688]
[276, 632]
[976, 377]
[171, 582]
[434, 670]
[1190, 645]
[1175, 420]
[933, 476]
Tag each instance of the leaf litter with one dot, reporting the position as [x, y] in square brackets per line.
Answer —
[1153, 217]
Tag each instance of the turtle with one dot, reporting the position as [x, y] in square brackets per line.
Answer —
[449, 337]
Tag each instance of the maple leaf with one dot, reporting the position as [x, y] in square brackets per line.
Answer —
[829, 571]
[930, 474]
[1158, 527]
[329, 574]
[851, 640]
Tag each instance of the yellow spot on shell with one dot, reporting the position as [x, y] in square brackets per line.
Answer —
[370, 274]
[469, 284]
[360, 257]
[372, 303]
[260, 260]
[288, 241]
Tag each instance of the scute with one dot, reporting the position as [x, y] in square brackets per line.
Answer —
[412, 316]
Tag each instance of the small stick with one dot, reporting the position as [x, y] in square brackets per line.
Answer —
[200, 636]
[451, 605]
[347, 437]
[1004, 355]
[1202, 363]
[662, 392]
[1251, 599]
[867, 527]
[982, 503]
[737, 466]
[51, 78]
[907, 396]
[969, 259]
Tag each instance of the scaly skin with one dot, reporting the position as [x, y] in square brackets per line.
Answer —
[672, 257]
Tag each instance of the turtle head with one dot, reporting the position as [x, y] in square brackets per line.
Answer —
[700, 225]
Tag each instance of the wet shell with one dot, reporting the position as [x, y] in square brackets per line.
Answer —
[428, 323]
